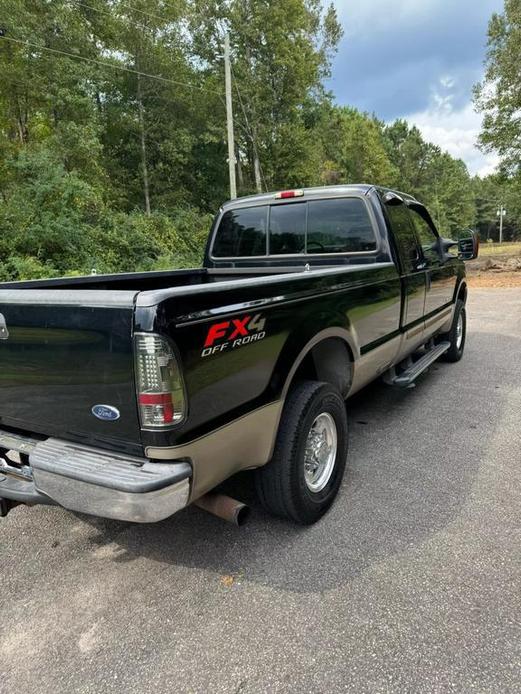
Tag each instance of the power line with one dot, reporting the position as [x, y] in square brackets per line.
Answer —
[112, 15]
[166, 4]
[103, 63]
[114, 102]
[147, 14]
[109, 14]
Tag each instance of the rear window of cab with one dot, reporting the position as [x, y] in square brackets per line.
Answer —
[335, 225]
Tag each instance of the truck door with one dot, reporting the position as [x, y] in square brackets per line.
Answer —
[440, 273]
[411, 266]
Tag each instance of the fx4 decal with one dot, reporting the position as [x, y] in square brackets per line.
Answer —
[233, 333]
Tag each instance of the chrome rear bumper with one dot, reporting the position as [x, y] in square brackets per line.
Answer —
[92, 481]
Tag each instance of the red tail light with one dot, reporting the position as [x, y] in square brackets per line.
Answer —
[160, 389]
[163, 401]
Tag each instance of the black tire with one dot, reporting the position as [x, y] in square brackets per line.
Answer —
[455, 353]
[281, 485]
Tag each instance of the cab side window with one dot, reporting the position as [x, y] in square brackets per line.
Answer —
[242, 233]
[426, 236]
[340, 225]
[404, 236]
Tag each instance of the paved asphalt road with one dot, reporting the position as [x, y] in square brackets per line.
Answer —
[410, 584]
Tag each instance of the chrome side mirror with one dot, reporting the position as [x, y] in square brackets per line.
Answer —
[468, 245]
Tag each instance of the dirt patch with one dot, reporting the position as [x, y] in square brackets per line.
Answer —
[495, 271]
[502, 263]
[494, 279]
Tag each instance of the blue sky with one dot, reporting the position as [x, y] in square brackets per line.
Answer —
[417, 59]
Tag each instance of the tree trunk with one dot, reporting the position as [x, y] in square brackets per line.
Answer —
[257, 170]
[142, 137]
[253, 134]
[240, 175]
[21, 123]
[20, 131]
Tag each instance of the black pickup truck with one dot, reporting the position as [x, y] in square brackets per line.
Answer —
[131, 396]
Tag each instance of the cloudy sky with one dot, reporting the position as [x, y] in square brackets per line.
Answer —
[417, 59]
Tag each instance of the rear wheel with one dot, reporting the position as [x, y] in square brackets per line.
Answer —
[457, 334]
[303, 478]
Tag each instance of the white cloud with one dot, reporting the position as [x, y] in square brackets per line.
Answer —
[418, 60]
[455, 131]
[447, 81]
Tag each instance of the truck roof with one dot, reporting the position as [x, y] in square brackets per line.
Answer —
[317, 191]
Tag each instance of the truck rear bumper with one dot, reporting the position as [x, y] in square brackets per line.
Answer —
[92, 481]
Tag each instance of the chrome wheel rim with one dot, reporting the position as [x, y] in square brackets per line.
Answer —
[459, 332]
[320, 456]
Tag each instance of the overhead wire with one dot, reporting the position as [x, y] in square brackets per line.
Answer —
[103, 63]
[247, 127]
[147, 14]
[108, 14]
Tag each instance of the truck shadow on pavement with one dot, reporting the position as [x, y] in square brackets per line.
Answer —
[413, 458]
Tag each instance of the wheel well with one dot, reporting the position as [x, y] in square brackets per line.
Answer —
[462, 292]
[330, 361]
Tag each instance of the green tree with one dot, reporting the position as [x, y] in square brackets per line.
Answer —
[434, 177]
[499, 95]
[281, 53]
[412, 158]
[113, 140]
[363, 156]
[450, 198]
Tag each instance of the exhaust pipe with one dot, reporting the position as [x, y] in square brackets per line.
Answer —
[224, 507]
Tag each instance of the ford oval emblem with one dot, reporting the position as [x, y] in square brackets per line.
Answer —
[106, 412]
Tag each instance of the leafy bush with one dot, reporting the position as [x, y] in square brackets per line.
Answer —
[53, 223]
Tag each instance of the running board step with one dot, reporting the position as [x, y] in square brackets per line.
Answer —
[406, 378]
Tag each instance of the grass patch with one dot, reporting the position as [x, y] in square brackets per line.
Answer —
[491, 249]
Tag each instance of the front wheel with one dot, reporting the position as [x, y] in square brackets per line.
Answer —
[457, 333]
[303, 478]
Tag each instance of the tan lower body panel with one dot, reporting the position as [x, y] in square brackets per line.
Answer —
[245, 443]
[441, 321]
[378, 360]
[371, 365]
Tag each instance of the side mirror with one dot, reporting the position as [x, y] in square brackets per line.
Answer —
[442, 247]
[468, 245]
[446, 244]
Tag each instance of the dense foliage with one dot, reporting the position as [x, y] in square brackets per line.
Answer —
[112, 129]
[498, 97]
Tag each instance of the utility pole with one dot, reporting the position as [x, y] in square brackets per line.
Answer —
[229, 116]
[501, 213]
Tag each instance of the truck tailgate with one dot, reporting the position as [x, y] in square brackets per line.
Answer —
[62, 352]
